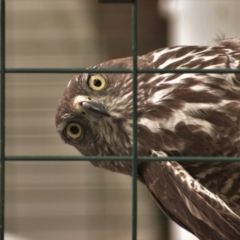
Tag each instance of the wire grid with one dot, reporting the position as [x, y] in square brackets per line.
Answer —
[134, 158]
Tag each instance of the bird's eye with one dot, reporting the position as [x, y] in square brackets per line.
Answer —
[74, 130]
[97, 82]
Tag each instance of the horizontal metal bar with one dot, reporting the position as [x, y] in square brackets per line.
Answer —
[114, 1]
[117, 158]
[165, 70]
[65, 70]
[123, 70]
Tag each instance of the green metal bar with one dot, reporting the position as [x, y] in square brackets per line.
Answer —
[135, 128]
[114, 1]
[119, 158]
[112, 70]
[65, 70]
[165, 70]
[2, 119]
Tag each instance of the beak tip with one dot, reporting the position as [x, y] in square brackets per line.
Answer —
[95, 109]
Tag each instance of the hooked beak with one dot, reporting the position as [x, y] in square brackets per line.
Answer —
[85, 105]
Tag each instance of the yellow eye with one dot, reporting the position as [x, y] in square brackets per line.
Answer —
[74, 130]
[97, 83]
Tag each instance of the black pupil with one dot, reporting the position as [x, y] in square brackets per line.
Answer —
[74, 130]
[97, 83]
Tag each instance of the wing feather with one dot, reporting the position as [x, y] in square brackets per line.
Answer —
[188, 203]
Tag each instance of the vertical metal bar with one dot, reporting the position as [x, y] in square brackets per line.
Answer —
[2, 118]
[135, 128]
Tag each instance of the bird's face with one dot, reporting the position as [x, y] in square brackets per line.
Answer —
[94, 114]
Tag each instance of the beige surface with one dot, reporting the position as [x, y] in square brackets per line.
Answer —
[59, 200]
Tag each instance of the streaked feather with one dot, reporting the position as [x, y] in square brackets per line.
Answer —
[178, 115]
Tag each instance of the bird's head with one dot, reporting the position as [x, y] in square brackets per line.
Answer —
[95, 112]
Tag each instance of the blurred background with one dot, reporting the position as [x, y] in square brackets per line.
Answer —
[74, 200]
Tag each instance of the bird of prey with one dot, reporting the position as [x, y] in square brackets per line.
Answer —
[179, 114]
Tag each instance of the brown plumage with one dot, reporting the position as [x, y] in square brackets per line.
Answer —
[178, 115]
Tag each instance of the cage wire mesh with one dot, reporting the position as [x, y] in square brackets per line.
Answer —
[51, 192]
[47, 195]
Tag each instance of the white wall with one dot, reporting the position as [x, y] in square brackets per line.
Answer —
[200, 21]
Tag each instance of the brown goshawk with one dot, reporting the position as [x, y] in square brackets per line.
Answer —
[179, 114]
